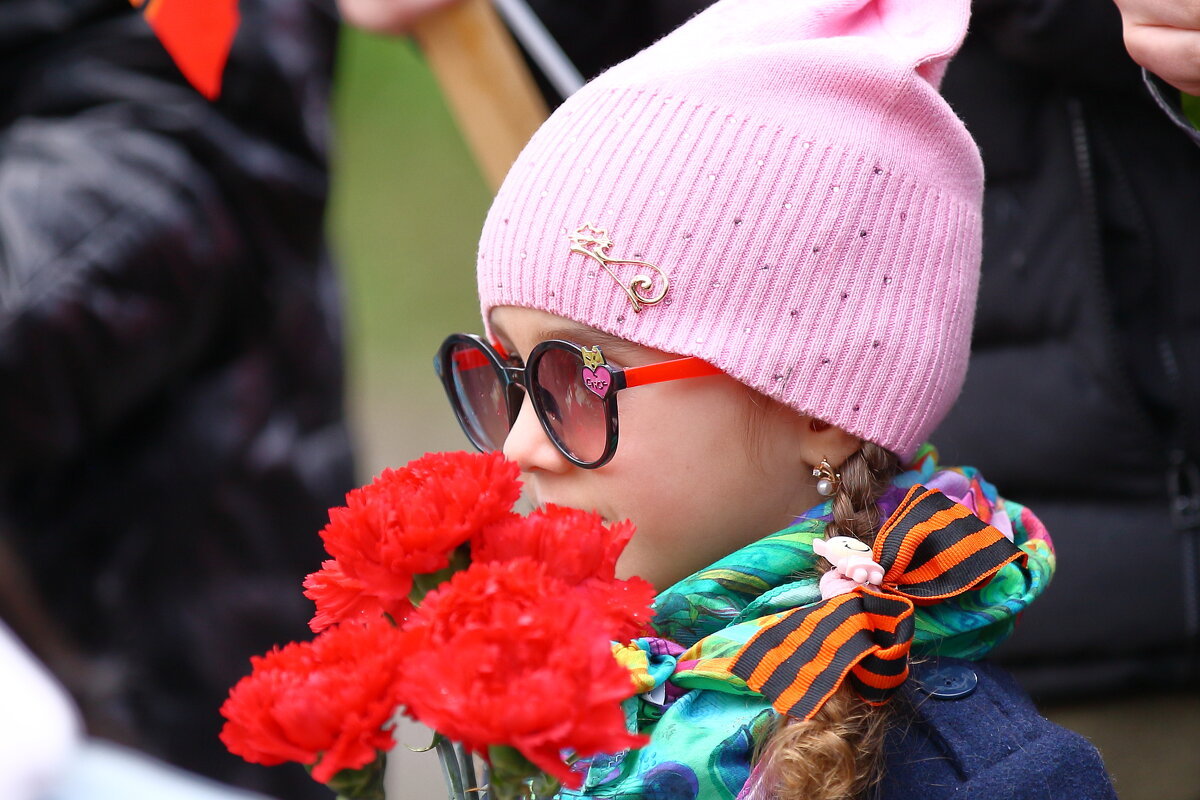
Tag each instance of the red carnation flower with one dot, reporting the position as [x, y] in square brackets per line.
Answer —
[513, 656]
[578, 548]
[324, 703]
[339, 597]
[574, 545]
[407, 522]
[485, 595]
[621, 607]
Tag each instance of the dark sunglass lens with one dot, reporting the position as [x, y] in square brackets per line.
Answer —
[479, 395]
[575, 414]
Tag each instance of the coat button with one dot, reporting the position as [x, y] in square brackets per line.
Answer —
[948, 682]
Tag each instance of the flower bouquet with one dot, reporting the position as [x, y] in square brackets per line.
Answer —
[493, 629]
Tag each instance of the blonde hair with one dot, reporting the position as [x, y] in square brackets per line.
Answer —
[837, 754]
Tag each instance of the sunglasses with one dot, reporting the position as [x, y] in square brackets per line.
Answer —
[572, 388]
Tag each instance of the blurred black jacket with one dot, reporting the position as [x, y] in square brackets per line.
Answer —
[1083, 395]
[171, 421]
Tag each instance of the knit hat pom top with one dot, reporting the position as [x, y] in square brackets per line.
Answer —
[776, 187]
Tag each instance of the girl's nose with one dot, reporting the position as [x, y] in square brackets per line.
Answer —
[529, 446]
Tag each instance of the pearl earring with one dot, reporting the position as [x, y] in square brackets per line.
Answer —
[828, 481]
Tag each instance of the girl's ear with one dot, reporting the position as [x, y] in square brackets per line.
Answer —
[822, 441]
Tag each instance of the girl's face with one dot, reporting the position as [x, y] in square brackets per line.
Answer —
[699, 469]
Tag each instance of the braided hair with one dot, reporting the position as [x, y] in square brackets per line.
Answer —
[837, 754]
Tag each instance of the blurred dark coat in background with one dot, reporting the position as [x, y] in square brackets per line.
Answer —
[1082, 399]
[171, 420]
[1083, 393]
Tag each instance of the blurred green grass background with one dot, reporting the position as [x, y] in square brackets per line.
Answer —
[406, 210]
[407, 207]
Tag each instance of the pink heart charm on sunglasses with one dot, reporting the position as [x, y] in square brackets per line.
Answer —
[598, 380]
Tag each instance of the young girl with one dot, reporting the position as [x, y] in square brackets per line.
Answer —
[762, 233]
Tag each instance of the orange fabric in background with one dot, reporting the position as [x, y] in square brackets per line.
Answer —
[198, 35]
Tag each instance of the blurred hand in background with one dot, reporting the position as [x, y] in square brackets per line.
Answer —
[1164, 37]
[393, 17]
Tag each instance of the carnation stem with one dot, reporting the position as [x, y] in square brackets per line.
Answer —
[450, 767]
[467, 765]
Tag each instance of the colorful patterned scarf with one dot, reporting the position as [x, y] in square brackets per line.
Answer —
[706, 723]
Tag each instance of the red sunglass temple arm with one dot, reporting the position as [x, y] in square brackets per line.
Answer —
[470, 359]
[690, 367]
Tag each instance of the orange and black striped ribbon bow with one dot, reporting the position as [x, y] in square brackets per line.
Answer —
[930, 549]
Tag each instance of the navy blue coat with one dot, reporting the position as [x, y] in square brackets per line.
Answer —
[988, 743]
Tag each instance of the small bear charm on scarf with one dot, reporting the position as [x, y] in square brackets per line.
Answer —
[852, 565]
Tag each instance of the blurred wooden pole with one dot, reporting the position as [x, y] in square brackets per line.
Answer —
[485, 81]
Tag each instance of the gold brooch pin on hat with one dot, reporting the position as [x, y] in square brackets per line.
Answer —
[592, 241]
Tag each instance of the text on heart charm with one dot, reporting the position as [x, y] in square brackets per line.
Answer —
[597, 377]
[598, 381]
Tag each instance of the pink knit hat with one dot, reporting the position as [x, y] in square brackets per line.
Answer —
[791, 169]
